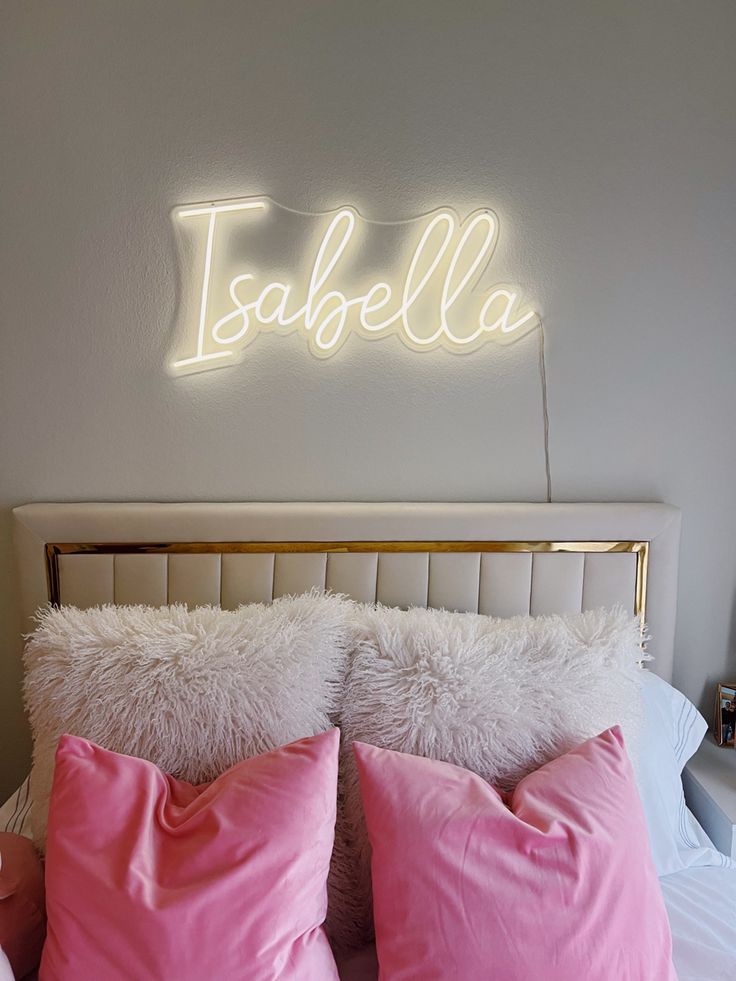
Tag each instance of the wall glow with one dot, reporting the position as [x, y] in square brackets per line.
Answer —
[432, 300]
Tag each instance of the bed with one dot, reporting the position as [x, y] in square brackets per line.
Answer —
[496, 559]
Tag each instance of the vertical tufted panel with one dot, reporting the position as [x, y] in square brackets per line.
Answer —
[87, 580]
[353, 573]
[505, 584]
[246, 579]
[194, 579]
[557, 583]
[453, 581]
[141, 579]
[498, 584]
[403, 579]
[610, 577]
[298, 573]
[579, 555]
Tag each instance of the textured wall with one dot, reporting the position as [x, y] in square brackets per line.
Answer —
[602, 134]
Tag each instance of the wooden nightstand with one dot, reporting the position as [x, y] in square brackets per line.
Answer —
[709, 780]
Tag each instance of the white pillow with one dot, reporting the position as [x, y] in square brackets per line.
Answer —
[500, 697]
[672, 731]
[193, 691]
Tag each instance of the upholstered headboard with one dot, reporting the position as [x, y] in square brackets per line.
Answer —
[498, 559]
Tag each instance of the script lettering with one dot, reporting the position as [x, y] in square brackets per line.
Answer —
[433, 303]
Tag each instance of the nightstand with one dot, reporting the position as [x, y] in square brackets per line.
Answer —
[709, 780]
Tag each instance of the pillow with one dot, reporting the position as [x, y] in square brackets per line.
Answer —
[193, 691]
[498, 696]
[22, 917]
[151, 877]
[673, 730]
[554, 880]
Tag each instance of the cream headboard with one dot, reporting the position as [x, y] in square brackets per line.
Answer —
[498, 559]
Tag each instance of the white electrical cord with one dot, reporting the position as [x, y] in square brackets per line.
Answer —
[545, 407]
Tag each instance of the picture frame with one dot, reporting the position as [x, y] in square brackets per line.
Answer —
[725, 715]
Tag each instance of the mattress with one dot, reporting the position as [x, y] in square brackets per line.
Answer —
[701, 903]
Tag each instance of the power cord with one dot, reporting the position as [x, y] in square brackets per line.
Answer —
[545, 407]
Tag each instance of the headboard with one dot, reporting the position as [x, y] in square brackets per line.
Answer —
[497, 559]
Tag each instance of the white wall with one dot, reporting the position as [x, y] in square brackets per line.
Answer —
[602, 133]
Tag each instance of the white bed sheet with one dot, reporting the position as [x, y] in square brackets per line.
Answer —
[701, 903]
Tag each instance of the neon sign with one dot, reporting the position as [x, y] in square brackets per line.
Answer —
[432, 301]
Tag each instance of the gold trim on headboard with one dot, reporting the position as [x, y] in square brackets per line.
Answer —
[55, 549]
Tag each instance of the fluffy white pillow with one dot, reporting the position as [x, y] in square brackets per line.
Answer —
[193, 691]
[499, 697]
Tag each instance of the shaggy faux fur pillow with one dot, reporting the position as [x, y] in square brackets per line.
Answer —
[498, 697]
[193, 691]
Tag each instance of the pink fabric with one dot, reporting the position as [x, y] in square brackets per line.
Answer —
[554, 882]
[22, 917]
[149, 878]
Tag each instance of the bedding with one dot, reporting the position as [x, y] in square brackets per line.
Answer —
[499, 697]
[671, 733]
[275, 693]
[193, 691]
[224, 880]
[554, 880]
[701, 908]
[701, 905]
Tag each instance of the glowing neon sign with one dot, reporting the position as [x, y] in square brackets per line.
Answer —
[434, 301]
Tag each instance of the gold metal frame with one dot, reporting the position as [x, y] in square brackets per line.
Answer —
[55, 549]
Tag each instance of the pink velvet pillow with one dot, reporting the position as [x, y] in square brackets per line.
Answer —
[148, 877]
[555, 881]
[22, 917]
